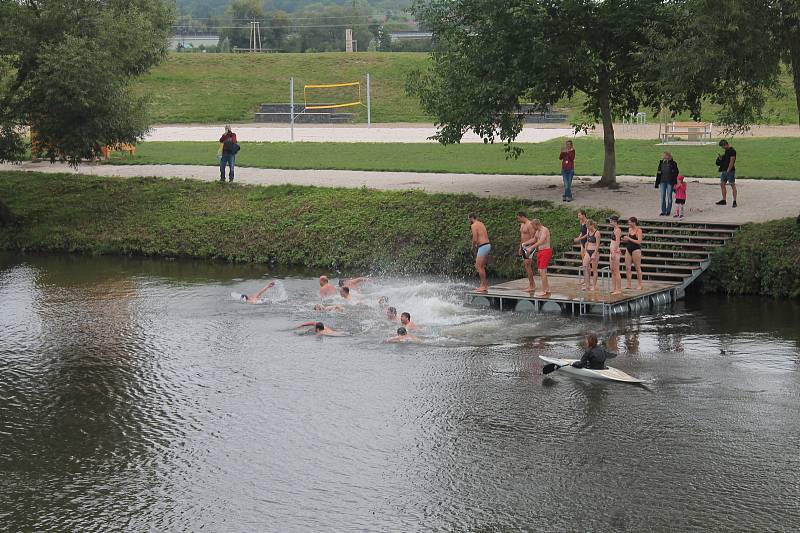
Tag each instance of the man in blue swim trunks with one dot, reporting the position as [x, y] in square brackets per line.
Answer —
[727, 171]
[481, 248]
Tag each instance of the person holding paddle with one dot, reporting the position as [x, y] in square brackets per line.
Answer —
[595, 356]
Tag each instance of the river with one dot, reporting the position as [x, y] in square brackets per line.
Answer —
[138, 395]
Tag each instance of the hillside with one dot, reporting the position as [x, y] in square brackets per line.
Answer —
[206, 88]
[214, 88]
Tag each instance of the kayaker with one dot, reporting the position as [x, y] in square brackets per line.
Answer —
[595, 356]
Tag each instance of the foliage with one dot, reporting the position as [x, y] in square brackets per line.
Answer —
[347, 229]
[71, 62]
[758, 157]
[761, 259]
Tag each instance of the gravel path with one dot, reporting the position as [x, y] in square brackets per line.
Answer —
[759, 200]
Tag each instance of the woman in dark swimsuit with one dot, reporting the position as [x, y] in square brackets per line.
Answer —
[633, 251]
[592, 256]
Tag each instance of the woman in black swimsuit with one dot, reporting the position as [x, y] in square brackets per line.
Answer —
[592, 256]
[633, 250]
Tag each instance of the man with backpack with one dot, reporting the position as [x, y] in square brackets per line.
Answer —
[229, 150]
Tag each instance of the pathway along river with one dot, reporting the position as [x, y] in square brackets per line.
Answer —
[137, 395]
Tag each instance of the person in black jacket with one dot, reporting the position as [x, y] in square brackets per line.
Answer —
[666, 179]
[595, 356]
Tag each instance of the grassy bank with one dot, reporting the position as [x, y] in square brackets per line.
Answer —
[758, 157]
[327, 229]
[761, 259]
[215, 88]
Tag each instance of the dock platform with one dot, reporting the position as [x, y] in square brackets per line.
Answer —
[565, 296]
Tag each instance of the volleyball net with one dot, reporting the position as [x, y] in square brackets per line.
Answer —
[332, 95]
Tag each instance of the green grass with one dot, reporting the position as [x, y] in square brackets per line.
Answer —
[215, 88]
[758, 157]
[327, 229]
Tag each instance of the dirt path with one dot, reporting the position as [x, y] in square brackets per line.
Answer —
[759, 200]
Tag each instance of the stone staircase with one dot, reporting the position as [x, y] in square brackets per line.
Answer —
[672, 251]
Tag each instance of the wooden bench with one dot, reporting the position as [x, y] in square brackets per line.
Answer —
[123, 147]
[693, 131]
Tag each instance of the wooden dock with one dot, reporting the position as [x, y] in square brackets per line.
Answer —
[674, 254]
[565, 296]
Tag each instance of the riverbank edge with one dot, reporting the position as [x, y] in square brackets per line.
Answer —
[328, 229]
[761, 259]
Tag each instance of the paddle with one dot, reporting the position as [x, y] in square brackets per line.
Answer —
[552, 367]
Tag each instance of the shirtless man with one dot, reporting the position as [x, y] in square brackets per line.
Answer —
[481, 248]
[326, 290]
[321, 330]
[405, 320]
[403, 336]
[527, 232]
[542, 243]
[256, 297]
[327, 308]
[391, 314]
[352, 283]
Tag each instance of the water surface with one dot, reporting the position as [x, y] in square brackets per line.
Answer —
[138, 395]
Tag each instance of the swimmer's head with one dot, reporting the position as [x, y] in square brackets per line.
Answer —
[345, 292]
[405, 318]
[319, 326]
[402, 331]
[243, 298]
[341, 283]
[323, 280]
[383, 300]
[391, 313]
[318, 307]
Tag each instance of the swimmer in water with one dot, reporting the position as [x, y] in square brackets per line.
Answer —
[328, 308]
[403, 336]
[405, 319]
[321, 330]
[353, 283]
[383, 300]
[256, 297]
[391, 314]
[326, 290]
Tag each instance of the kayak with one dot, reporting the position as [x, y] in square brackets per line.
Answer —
[608, 374]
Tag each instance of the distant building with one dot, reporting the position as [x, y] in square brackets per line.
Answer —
[410, 34]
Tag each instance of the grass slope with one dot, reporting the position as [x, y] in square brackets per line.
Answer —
[758, 157]
[216, 88]
[339, 229]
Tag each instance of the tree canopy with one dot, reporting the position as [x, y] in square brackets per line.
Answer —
[66, 72]
[624, 56]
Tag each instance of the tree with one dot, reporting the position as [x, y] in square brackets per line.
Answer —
[242, 12]
[489, 54]
[788, 13]
[69, 64]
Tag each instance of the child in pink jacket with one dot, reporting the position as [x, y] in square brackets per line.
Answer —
[680, 197]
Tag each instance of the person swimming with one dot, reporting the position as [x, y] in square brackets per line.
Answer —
[327, 308]
[255, 298]
[391, 313]
[405, 319]
[595, 356]
[321, 330]
[326, 290]
[403, 336]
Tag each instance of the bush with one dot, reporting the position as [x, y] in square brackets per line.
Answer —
[762, 259]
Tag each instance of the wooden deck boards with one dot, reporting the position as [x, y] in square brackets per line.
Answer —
[565, 289]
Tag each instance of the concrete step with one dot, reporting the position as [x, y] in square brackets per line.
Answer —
[671, 229]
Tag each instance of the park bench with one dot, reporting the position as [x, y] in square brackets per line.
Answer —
[122, 147]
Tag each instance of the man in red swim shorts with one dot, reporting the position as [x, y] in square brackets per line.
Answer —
[544, 255]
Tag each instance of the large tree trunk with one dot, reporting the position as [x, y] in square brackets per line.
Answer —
[609, 178]
[6, 216]
[794, 54]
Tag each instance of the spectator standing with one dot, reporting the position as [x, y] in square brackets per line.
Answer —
[567, 157]
[727, 168]
[230, 147]
[666, 179]
[680, 197]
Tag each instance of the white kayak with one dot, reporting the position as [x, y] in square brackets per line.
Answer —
[608, 374]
